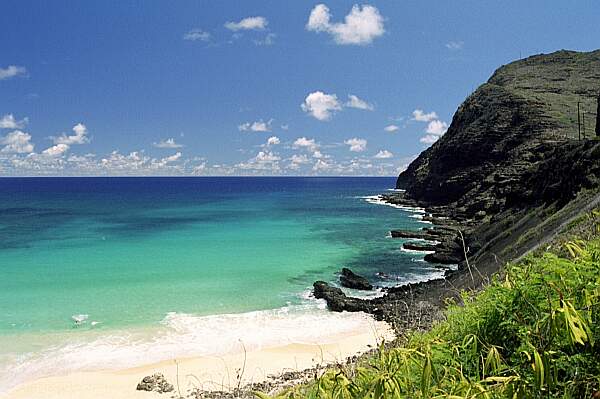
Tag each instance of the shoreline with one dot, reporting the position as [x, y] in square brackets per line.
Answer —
[208, 373]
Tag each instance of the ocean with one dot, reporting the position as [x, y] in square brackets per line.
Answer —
[101, 273]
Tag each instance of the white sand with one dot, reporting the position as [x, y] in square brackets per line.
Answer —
[215, 373]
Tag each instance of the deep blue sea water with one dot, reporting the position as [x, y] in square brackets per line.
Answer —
[157, 266]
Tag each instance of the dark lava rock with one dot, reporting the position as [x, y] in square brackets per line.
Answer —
[155, 382]
[337, 300]
[417, 234]
[418, 246]
[349, 279]
[444, 258]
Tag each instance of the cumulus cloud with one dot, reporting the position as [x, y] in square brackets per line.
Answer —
[250, 23]
[384, 154]
[258, 126]
[197, 34]
[391, 128]
[12, 71]
[321, 165]
[80, 136]
[455, 45]
[355, 102]
[168, 143]
[8, 121]
[437, 128]
[56, 150]
[356, 144]
[273, 140]
[303, 142]
[420, 116]
[361, 26]
[429, 139]
[17, 142]
[263, 161]
[320, 105]
[297, 160]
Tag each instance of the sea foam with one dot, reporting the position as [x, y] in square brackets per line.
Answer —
[185, 335]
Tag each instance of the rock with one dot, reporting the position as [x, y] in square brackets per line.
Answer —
[349, 279]
[444, 258]
[416, 234]
[155, 382]
[144, 386]
[337, 300]
[418, 246]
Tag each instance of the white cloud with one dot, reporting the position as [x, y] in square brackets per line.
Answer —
[56, 150]
[321, 165]
[303, 142]
[268, 40]
[273, 140]
[455, 45]
[12, 71]
[355, 102]
[391, 128]
[320, 105]
[250, 23]
[8, 121]
[297, 160]
[16, 142]
[421, 116]
[437, 128]
[258, 126]
[285, 127]
[263, 161]
[171, 158]
[80, 136]
[361, 26]
[384, 154]
[318, 155]
[197, 34]
[356, 144]
[168, 143]
[429, 139]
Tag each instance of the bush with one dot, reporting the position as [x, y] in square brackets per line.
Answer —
[532, 334]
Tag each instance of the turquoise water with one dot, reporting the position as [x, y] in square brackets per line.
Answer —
[174, 261]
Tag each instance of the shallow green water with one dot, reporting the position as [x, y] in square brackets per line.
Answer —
[170, 260]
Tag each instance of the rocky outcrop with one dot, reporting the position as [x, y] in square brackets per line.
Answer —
[349, 279]
[507, 176]
[418, 246]
[505, 135]
[337, 300]
[155, 383]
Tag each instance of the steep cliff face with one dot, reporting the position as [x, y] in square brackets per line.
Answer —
[514, 143]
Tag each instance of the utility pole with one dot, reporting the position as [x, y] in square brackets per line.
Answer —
[598, 118]
[583, 122]
[578, 121]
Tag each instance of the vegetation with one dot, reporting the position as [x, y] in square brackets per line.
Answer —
[533, 333]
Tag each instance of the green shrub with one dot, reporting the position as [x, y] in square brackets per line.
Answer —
[531, 335]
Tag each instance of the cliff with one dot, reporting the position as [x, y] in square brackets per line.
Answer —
[517, 162]
[514, 142]
[516, 169]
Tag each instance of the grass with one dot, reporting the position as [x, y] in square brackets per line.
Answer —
[533, 334]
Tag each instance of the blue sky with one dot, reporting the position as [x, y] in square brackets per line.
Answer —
[253, 87]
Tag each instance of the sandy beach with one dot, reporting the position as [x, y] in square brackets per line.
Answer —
[208, 373]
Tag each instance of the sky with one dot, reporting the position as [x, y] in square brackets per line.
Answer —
[194, 87]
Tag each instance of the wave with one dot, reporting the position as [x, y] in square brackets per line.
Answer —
[378, 200]
[183, 335]
[416, 251]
